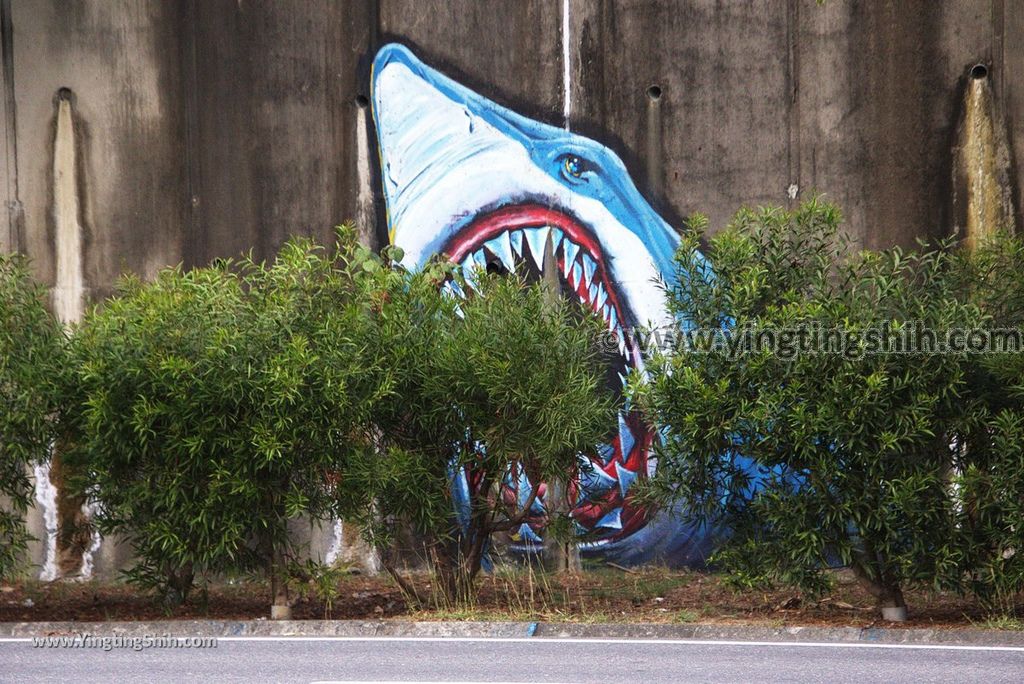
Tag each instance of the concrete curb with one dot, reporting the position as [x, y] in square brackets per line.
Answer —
[553, 630]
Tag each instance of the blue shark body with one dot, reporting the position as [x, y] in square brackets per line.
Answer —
[448, 157]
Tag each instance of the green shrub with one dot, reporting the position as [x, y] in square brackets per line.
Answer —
[215, 405]
[810, 458]
[31, 360]
[505, 379]
[990, 482]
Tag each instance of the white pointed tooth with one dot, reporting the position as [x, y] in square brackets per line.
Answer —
[589, 266]
[604, 313]
[570, 250]
[622, 347]
[574, 275]
[601, 297]
[556, 239]
[502, 248]
[454, 287]
[652, 465]
[592, 293]
[613, 320]
[537, 239]
[469, 273]
[480, 258]
[515, 238]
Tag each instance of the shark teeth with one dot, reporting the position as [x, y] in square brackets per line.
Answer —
[452, 290]
[501, 247]
[570, 250]
[582, 272]
[469, 273]
[516, 240]
[589, 266]
[480, 259]
[537, 239]
[574, 276]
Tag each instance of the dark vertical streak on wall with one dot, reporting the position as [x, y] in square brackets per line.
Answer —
[654, 162]
[509, 51]
[121, 62]
[998, 50]
[225, 134]
[594, 24]
[12, 203]
[793, 88]
[1011, 97]
[722, 69]
[880, 89]
[194, 239]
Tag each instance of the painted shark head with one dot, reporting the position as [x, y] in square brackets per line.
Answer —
[466, 177]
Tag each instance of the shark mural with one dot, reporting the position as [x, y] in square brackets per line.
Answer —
[468, 178]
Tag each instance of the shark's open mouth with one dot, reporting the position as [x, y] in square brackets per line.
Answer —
[505, 237]
[522, 238]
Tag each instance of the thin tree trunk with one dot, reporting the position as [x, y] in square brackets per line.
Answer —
[387, 562]
[886, 590]
[179, 584]
[281, 608]
[560, 555]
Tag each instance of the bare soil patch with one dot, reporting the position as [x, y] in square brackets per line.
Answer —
[607, 595]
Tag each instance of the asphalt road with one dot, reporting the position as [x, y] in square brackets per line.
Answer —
[311, 659]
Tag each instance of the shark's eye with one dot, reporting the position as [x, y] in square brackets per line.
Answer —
[574, 167]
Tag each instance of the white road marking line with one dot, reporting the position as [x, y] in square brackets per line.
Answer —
[573, 640]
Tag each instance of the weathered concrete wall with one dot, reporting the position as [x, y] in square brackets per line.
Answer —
[119, 60]
[210, 127]
[854, 99]
[272, 109]
[218, 126]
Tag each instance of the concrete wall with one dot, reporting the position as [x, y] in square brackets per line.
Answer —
[212, 127]
[209, 127]
[858, 100]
